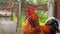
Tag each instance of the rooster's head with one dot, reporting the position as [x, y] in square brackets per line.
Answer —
[30, 10]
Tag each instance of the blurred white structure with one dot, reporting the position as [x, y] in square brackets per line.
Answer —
[5, 13]
[7, 27]
[50, 6]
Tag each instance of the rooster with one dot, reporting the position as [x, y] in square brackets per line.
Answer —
[45, 29]
[53, 24]
[32, 26]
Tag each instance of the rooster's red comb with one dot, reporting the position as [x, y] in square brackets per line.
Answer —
[30, 8]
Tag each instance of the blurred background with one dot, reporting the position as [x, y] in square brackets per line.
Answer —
[12, 13]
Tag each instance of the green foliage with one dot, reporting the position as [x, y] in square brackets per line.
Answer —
[42, 21]
[23, 20]
[38, 1]
[42, 1]
[42, 16]
[15, 18]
